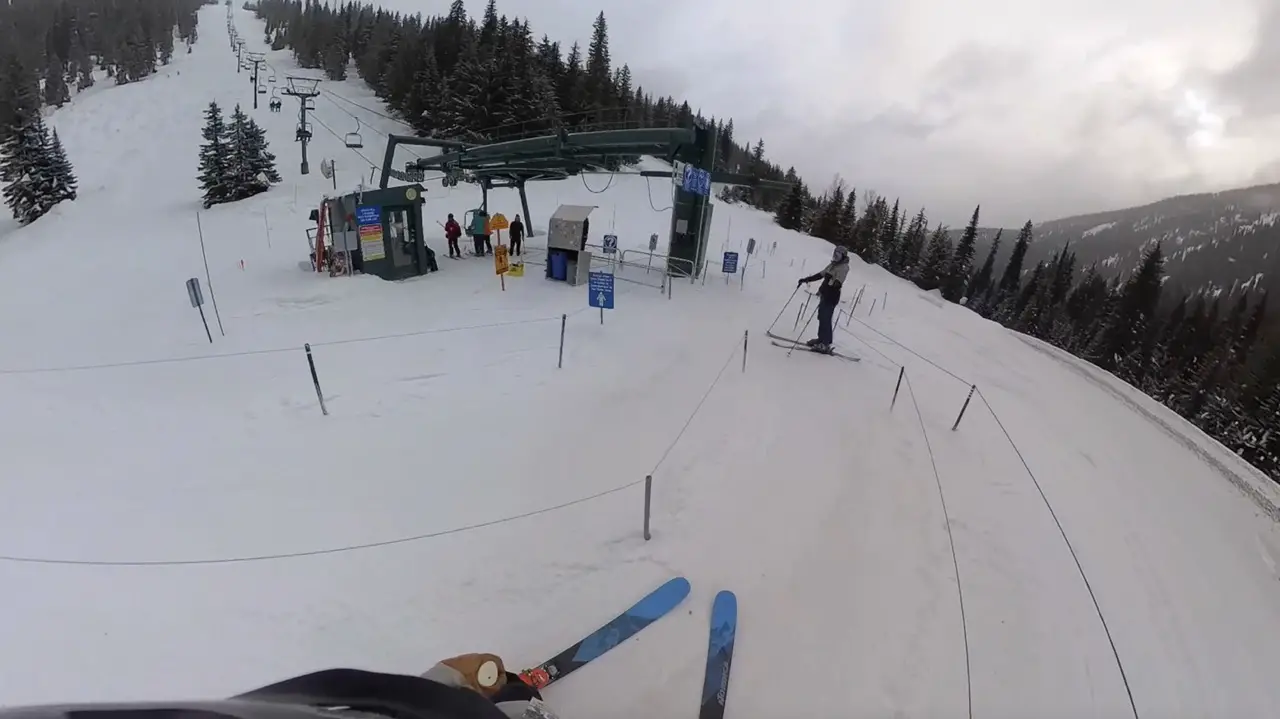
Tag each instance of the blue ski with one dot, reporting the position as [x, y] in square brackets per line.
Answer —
[724, 628]
[641, 614]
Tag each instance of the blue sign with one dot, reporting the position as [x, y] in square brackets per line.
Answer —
[610, 244]
[368, 215]
[696, 180]
[730, 266]
[600, 290]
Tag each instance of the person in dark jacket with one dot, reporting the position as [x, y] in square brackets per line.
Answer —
[833, 277]
[453, 231]
[470, 686]
[516, 230]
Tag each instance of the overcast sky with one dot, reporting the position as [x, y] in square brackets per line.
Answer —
[1034, 108]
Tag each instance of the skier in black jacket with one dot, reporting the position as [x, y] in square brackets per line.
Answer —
[470, 686]
[832, 276]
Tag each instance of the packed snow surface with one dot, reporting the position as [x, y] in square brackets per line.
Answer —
[194, 519]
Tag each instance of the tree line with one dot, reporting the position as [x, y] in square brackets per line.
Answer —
[452, 77]
[49, 48]
[1207, 356]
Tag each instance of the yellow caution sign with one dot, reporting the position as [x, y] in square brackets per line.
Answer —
[498, 222]
[517, 270]
[501, 262]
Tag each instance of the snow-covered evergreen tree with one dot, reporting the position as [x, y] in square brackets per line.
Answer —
[961, 267]
[215, 159]
[937, 257]
[63, 178]
[251, 166]
[25, 161]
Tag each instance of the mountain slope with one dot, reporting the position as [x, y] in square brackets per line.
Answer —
[1224, 241]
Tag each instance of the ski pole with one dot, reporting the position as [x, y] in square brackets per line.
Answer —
[802, 330]
[784, 309]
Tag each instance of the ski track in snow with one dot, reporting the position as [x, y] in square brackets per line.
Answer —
[795, 484]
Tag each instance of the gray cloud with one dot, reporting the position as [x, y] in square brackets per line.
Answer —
[1033, 109]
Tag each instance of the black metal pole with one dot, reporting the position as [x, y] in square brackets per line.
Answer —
[966, 406]
[315, 379]
[901, 372]
[563, 319]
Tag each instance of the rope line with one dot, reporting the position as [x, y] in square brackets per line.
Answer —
[273, 350]
[1079, 567]
[318, 552]
[917, 354]
[951, 540]
[696, 409]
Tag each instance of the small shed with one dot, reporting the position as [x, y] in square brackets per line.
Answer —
[567, 257]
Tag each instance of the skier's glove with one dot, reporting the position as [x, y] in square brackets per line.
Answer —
[799, 282]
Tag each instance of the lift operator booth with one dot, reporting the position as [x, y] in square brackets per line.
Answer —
[381, 230]
[568, 259]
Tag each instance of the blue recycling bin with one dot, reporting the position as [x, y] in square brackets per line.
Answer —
[559, 262]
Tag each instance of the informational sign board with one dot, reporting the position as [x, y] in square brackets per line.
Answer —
[751, 246]
[498, 222]
[696, 180]
[600, 290]
[369, 228]
[730, 265]
[653, 242]
[610, 244]
[193, 292]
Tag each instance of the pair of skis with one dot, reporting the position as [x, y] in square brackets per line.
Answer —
[788, 343]
[659, 602]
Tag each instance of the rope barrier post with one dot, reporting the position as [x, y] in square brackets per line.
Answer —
[901, 371]
[648, 501]
[744, 350]
[563, 319]
[884, 306]
[315, 379]
[972, 388]
[873, 308]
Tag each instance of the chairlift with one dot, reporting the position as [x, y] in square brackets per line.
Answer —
[353, 139]
[272, 79]
[304, 132]
[262, 89]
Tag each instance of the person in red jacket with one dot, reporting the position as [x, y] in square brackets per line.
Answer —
[452, 231]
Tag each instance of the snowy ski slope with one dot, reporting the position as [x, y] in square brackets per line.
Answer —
[186, 527]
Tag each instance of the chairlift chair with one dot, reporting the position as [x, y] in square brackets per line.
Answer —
[272, 79]
[262, 89]
[304, 132]
[353, 139]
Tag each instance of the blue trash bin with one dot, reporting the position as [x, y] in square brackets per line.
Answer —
[559, 266]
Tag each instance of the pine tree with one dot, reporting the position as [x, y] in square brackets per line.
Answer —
[25, 160]
[422, 106]
[1132, 315]
[791, 211]
[260, 163]
[63, 186]
[464, 110]
[912, 245]
[215, 161]
[933, 271]
[598, 72]
[977, 288]
[56, 92]
[962, 262]
[1009, 281]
